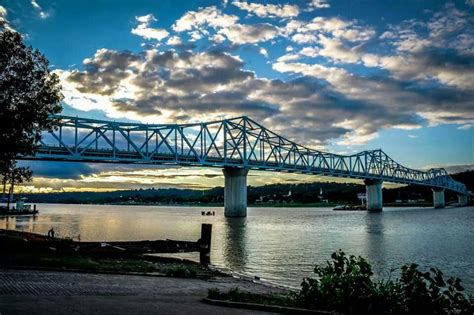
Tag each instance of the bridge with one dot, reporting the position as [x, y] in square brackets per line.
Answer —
[236, 145]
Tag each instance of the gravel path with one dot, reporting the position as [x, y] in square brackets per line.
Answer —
[40, 292]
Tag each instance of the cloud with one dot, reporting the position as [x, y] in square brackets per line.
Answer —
[42, 14]
[318, 4]
[268, 10]
[441, 49]
[452, 169]
[174, 41]
[304, 38]
[262, 51]
[60, 170]
[249, 33]
[144, 30]
[334, 27]
[196, 24]
[210, 16]
[324, 101]
[394, 103]
[170, 86]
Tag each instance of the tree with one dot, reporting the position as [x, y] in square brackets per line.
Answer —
[17, 175]
[29, 94]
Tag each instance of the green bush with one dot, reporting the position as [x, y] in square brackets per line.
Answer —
[345, 285]
[236, 295]
[180, 272]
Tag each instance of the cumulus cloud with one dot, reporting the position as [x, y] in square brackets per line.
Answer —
[249, 33]
[268, 10]
[319, 4]
[144, 30]
[262, 51]
[324, 103]
[302, 32]
[174, 41]
[226, 26]
[41, 13]
[209, 16]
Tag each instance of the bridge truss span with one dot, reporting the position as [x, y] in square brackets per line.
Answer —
[230, 143]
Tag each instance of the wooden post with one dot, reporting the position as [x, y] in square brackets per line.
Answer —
[205, 244]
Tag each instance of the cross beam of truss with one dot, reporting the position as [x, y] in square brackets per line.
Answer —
[237, 142]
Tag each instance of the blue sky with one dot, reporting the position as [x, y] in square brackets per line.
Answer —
[342, 76]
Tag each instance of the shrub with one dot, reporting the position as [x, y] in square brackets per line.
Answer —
[180, 272]
[345, 285]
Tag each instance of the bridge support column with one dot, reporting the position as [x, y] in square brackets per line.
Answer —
[438, 198]
[235, 192]
[373, 190]
[462, 200]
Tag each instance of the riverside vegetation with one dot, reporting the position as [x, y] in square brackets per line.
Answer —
[345, 285]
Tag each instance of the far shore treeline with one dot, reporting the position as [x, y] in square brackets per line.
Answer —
[277, 194]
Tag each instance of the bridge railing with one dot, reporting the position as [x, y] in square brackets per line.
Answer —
[238, 142]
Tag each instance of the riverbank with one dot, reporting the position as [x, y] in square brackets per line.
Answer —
[28, 250]
[34, 265]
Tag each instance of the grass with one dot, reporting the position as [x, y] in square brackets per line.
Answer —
[237, 295]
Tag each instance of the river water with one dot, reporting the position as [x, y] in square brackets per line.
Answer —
[281, 245]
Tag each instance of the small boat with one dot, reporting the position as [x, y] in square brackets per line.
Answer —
[19, 209]
[208, 213]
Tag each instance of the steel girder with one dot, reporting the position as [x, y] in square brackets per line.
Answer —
[237, 142]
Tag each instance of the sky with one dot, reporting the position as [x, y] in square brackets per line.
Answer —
[341, 76]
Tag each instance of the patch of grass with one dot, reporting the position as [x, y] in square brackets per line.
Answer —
[180, 271]
[237, 295]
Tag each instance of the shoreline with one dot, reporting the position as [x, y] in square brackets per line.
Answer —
[276, 205]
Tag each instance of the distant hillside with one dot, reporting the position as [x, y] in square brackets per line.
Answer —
[466, 178]
[276, 193]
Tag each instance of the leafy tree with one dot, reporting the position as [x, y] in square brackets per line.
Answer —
[17, 175]
[29, 94]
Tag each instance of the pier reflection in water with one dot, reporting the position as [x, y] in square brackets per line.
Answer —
[280, 244]
[235, 247]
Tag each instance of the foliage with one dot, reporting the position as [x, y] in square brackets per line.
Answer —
[237, 295]
[180, 271]
[14, 175]
[29, 94]
[345, 285]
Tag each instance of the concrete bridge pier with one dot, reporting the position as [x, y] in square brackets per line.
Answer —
[235, 192]
[438, 198]
[373, 190]
[462, 200]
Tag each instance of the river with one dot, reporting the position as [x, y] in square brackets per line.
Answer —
[281, 245]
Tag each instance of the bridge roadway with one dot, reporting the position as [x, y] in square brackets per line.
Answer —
[236, 145]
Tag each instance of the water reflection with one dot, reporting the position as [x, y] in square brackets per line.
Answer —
[24, 223]
[375, 241]
[235, 246]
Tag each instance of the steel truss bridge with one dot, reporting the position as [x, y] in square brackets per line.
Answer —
[230, 143]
